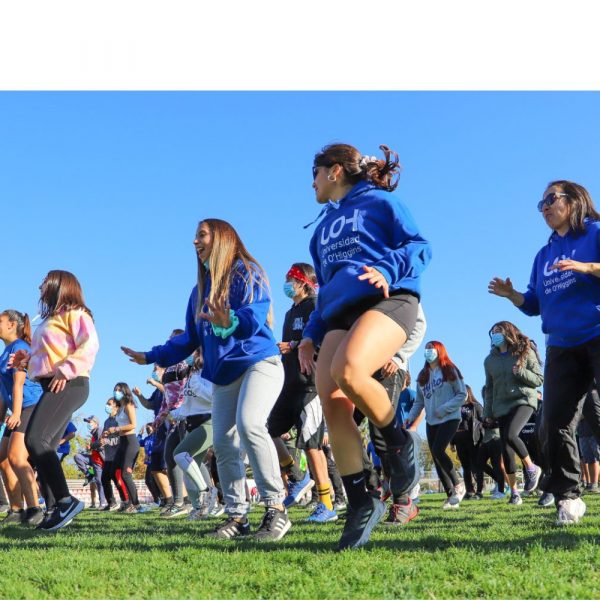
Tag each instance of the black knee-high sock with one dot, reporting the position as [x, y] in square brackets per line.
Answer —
[393, 434]
[356, 489]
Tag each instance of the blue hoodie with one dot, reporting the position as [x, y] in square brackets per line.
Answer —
[568, 302]
[224, 359]
[369, 226]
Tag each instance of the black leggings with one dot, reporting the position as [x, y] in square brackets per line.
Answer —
[127, 452]
[467, 454]
[46, 426]
[510, 428]
[152, 485]
[439, 438]
[492, 451]
[112, 474]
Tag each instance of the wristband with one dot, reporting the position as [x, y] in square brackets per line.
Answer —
[225, 332]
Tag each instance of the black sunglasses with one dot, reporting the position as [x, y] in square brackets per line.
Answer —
[550, 199]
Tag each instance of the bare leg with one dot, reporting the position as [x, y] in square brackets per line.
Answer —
[17, 457]
[162, 481]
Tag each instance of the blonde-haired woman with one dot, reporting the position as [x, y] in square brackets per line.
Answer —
[229, 316]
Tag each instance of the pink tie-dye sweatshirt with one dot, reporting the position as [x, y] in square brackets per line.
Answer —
[65, 342]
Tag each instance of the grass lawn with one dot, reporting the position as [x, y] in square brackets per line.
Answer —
[484, 549]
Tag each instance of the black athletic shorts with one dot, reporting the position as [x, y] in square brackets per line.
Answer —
[22, 428]
[401, 307]
[299, 407]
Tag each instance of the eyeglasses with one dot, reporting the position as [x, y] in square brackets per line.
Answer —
[550, 199]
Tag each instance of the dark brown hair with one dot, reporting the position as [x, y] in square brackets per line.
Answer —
[60, 291]
[518, 343]
[127, 395]
[384, 173]
[309, 272]
[22, 321]
[580, 202]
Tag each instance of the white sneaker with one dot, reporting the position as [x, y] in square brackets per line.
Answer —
[498, 495]
[570, 511]
[451, 503]
[217, 510]
[195, 515]
[414, 493]
[460, 491]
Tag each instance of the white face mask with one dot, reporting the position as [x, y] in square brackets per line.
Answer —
[430, 355]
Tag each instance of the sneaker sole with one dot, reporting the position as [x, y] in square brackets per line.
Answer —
[299, 495]
[451, 507]
[366, 534]
[319, 522]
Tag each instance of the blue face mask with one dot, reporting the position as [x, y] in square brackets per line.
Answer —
[497, 339]
[118, 396]
[107, 409]
[91, 427]
[190, 361]
[155, 376]
[206, 264]
[430, 354]
[288, 289]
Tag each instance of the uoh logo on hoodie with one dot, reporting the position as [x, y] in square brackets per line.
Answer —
[549, 272]
[337, 226]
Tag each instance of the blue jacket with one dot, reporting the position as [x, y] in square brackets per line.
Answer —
[224, 359]
[568, 302]
[367, 227]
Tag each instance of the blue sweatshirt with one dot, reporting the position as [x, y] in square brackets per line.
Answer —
[225, 359]
[568, 302]
[369, 226]
[32, 390]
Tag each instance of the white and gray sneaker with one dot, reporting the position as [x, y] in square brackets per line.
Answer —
[460, 490]
[217, 510]
[570, 511]
[452, 503]
[274, 526]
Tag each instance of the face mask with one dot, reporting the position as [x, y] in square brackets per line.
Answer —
[118, 396]
[206, 264]
[288, 289]
[91, 427]
[155, 376]
[497, 339]
[430, 354]
[107, 409]
[190, 361]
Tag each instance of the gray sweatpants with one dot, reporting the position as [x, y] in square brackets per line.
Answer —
[239, 416]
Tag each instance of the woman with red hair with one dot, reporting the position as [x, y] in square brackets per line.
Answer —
[441, 391]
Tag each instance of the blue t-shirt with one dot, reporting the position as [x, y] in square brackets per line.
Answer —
[31, 390]
[66, 447]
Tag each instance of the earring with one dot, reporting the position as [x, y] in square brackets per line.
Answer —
[330, 179]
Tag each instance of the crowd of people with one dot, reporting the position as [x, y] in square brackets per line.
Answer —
[227, 396]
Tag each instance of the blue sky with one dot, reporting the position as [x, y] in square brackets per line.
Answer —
[111, 186]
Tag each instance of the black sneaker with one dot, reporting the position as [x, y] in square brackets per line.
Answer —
[532, 479]
[230, 529]
[14, 517]
[478, 496]
[360, 523]
[62, 515]
[33, 516]
[274, 526]
[404, 465]
[176, 510]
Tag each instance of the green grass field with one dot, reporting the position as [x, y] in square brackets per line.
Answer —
[484, 549]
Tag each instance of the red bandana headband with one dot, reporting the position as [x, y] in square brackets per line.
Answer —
[298, 275]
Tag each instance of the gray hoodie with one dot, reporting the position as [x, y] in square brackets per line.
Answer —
[441, 399]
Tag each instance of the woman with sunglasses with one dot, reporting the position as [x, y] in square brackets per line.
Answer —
[368, 254]
[565, 290]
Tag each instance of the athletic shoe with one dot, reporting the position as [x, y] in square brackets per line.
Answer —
[339, 505]
[360, 523]
[532, 479]
[515, 499]
[321, 514]
[404, 465]
[143, 508]
[497, 495]
[414, 493]
[229, 529]
[311, 507]
[386, 491]
[470, 496]
[124, 507]
[459, 490]
[274, 526]
[177, 510]
[14, 517]
[547, 499]
[452, 503]
[33, 516]
[196, 515]
[297, 489]
[61, 516]
[402, 512]
[130, 510]
[113, 507]
[570, 511]
[592, 488]
[4, 507]
[102, 506]
[217, 510]
[478, 496]
[166, 508]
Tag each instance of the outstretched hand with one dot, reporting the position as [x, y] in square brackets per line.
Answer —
[376, 278]
[501, 287]
[217, 313]
[136, 357]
